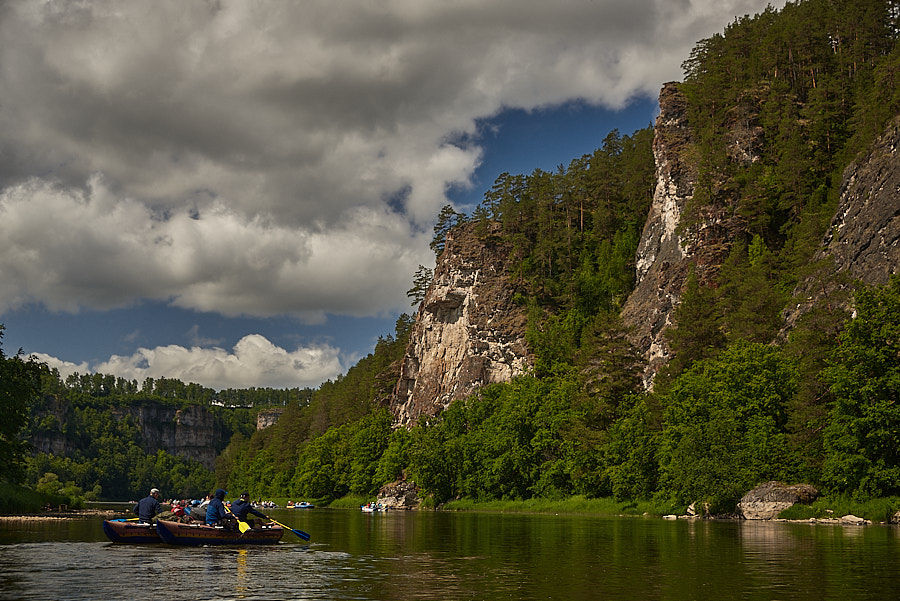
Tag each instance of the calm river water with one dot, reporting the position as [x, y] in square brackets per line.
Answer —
[459, 556]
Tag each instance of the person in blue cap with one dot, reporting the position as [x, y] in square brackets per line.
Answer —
[242, 507]
[147, 508]
[216, 512]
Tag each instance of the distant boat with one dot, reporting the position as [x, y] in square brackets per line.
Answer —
[301, 505]
[373, 507]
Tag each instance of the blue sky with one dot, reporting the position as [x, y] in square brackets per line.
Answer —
[239, 195]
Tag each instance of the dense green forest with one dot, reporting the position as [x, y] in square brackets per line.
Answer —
[779, 104]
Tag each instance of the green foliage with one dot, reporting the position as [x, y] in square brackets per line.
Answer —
[725, 425]
[394, 460]
[572, 235]
[697, 334]
[20, 382]
[862, 439]
[309, 450]
[18, 499]
[631, 454]
[421, 281]
[513, 441]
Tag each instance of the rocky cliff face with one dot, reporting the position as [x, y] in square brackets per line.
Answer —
[188, 433]
[467, 331]
[863, 242]
[267, 417]
[674, 242]
[191, 432]
[660, 261]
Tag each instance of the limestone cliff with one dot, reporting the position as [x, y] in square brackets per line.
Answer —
[188, 432]
[862, 244]
[468, 332]
[268, 417]
[673, 242]
[191, 432]
[660, 261]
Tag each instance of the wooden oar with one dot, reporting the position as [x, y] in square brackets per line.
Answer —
[299, 533]
[243, 526]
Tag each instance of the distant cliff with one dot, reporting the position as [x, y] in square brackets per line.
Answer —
[191, 432]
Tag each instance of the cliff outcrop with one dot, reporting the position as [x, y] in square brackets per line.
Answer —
[677, 236]
[467, 333]
[863, 242]
[188, 432]
[660, 267]
[191, 432]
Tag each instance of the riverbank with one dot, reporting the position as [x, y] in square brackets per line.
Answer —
[825, 510]
[54, 515]
[577, 505]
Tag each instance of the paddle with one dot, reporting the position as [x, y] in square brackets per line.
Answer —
[243, 526]
[299, 533]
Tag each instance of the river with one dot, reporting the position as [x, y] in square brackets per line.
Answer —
[460, 556]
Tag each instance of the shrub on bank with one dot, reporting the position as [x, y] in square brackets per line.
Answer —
[17, 499]
[875, 510]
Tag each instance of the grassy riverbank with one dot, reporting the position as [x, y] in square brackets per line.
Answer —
[875, 510]
[17, 499]
[572, 505]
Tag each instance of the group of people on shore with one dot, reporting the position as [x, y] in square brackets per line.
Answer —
[213, 511]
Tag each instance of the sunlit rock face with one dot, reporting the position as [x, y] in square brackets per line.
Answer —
[662, 257]
[769, 499]
[681, 235]
[467, 333]
[267, 417]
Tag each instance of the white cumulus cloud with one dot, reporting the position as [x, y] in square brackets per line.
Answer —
[253, 360]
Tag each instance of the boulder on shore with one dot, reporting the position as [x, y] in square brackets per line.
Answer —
[767, 500]
[399, 495]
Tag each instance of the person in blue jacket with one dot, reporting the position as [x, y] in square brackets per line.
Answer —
[147, 508]
[242, 507]
[216, 512]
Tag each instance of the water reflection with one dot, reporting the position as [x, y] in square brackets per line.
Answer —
[441, 556]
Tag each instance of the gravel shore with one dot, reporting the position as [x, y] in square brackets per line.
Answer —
[60, 515]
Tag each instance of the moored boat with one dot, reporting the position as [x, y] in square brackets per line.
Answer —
[130, 531]
[176, 533]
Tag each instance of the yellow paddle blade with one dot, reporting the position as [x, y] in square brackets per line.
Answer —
[244, 526]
